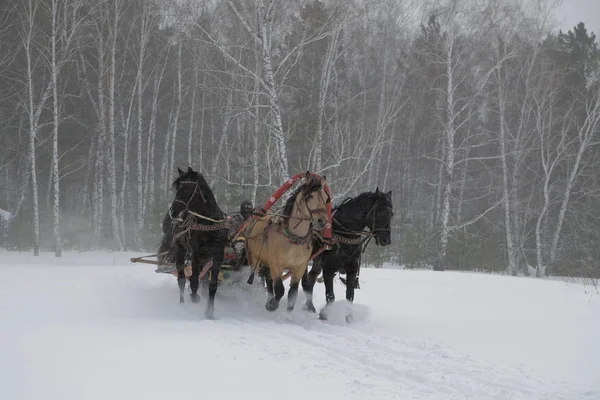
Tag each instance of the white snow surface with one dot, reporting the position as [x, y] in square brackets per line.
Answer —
[95, 326]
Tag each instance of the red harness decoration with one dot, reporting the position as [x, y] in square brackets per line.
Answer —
[273, 199]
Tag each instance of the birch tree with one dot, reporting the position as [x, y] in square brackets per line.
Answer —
[553, 140]
[66, 21]
[38, 88]
[113, 24]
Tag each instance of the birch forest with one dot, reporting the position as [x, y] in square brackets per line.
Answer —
[480, 116]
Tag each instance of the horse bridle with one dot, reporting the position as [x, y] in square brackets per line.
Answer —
[390, 213]
[313, 211]
[186, 204]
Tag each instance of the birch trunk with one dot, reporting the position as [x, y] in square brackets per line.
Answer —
[437, 201]
[55, 122]
[144, 38]
[192, 115]
[149, 194]
[110, 159]
[99, 160]
[99, 187]
[449, 160]
[511, 254]
[125, 176]
[33, 120]
[201, 138]
[264, 41]
[177, 110]
[461, 193]
[164, 169]
[222, 140]
[255, 143]
[328, 63]
[519, 159]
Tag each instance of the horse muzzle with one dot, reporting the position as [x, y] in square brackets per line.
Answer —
[384, 241]
[320, 224]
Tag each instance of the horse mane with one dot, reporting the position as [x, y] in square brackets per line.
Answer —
[357, 202]
[312, 185]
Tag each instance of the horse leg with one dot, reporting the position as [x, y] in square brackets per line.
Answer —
[351, 271]
[179, 263]
[214, 283]
[196, 264]
[293, 292]
[269, 282]
[328, 275]
[308, 284]
[273, 302]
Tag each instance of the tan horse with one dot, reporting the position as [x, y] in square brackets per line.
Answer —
[286, 241]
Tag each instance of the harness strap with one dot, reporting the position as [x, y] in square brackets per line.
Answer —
[292, 238]
[195, 214]
[195, 226]
[345, 240]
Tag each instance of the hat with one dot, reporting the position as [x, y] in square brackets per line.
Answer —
[246, 206]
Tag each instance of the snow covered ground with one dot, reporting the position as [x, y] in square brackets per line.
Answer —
[94, 326]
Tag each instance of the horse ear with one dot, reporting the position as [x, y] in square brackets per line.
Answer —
[190, 170]
[324, 180]
[389, 193]
[377, 190]
[307, 176]
[180, 171]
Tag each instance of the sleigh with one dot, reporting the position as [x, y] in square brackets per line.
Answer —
[231, 264]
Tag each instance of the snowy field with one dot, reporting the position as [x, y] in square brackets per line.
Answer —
[94, 326]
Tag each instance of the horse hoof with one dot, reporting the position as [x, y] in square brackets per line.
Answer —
[322, 316]
[209, 314]
[195, 298]
[310, 308]
[181, 300]
[272, 305]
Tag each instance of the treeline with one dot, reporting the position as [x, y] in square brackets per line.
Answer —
[481, 120]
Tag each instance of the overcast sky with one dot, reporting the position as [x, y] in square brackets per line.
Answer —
[573, 11]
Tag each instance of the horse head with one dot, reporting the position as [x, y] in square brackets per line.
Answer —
[310, 201]
[379, 217]
[190, 188]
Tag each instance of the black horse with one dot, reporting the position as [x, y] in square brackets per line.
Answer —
[373, 210]
[196, 224]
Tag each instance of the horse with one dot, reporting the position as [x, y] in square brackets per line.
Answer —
[373, 210]
[285, 241]
[199, 226]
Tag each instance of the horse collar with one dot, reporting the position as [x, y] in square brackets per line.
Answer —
[292, 238]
